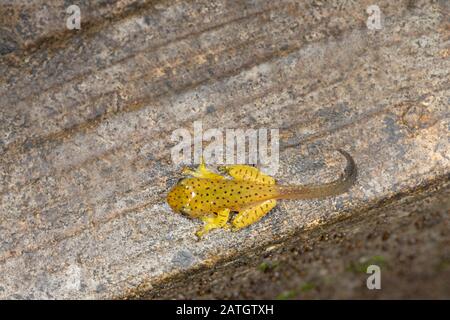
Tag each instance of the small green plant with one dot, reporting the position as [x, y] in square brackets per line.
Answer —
[443, 265]
[291, 294]
[361, 266]
[268, 266]
[307, 286]
[287, 295]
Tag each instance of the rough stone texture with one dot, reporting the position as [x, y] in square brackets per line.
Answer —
[85, 138]
[30, 24]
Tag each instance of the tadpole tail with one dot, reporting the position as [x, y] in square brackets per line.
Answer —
[333, 188]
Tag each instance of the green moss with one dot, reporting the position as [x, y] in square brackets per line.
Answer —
[291, 294]
[361, 267]
[443, 265]
[307, 286]
[268, 266]
[286, 295]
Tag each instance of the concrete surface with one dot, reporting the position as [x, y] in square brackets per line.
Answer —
[87, 116]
